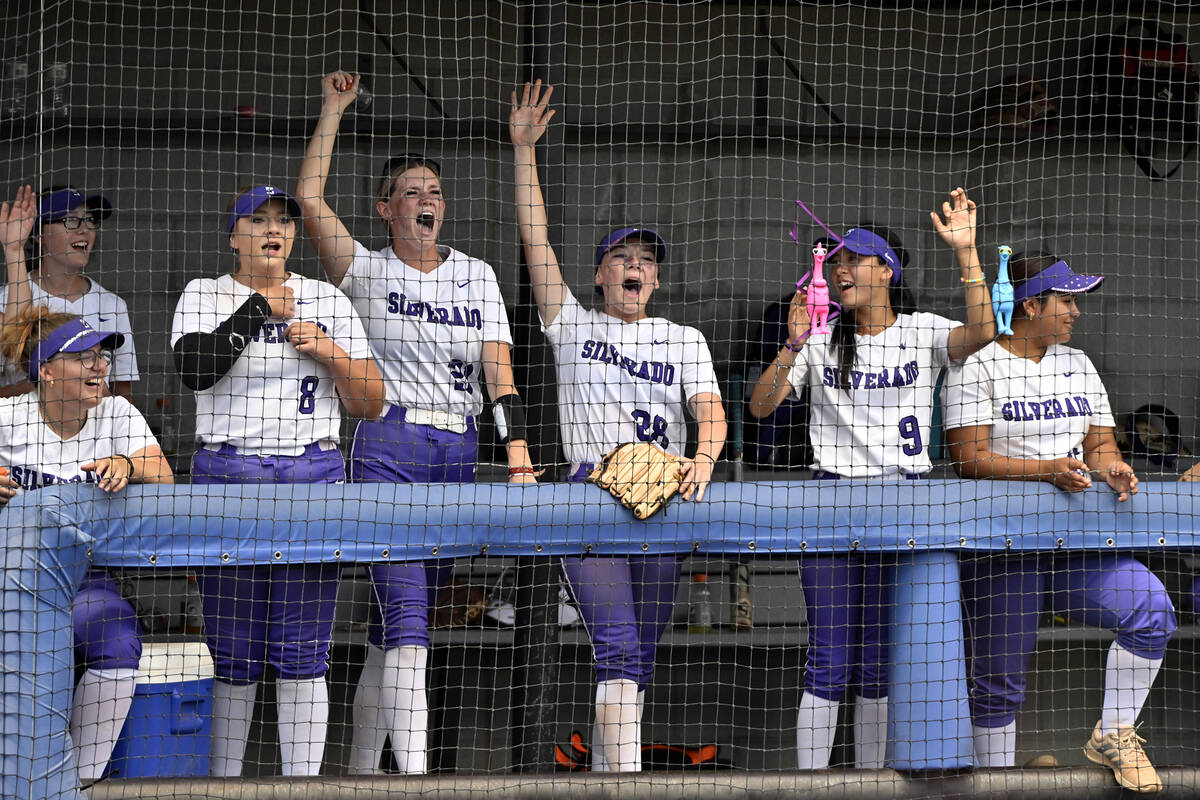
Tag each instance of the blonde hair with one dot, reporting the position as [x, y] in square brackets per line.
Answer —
[19, 337]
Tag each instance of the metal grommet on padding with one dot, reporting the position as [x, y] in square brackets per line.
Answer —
[1008, 543]
[433, 551]
[1109, 542]
[911, 543]
[337, 553]
[153, 559]
[225, 557]
[277, 555]
[537, 548]
[384, 553]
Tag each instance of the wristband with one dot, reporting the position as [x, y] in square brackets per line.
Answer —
[128, 461]
[509, 414]
[795, 348]
[969, 281]
[521, 471]
[706, 455]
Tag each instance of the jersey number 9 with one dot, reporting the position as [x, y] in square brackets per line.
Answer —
[911, 430]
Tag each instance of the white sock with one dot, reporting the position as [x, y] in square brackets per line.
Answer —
[98, 713]
[641, 707]
[816, 724]
[233, 708]
[599, 764]
[617, 724]
[303, 710]
[995, 747]
[870, 732]
[1127, 681]
[366, 745]
[405, 702]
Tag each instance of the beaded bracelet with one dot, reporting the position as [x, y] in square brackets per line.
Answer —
[968, 281]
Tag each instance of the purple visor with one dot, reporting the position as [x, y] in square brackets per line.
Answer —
[1057, 277]
[621, 234]
[59, 203]
[865, 243]
[75, 336]
[249, 201]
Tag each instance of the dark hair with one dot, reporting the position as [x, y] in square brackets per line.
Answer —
[397, 165]
[900, 299]
[1022, 267]
[33, 246]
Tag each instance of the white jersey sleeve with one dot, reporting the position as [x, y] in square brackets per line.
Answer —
[1036, 410]
[624, 382]
[427, 329]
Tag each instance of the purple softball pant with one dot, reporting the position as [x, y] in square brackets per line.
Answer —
[263, 613]
[390, 450]
[625, 604]
[1002, 601]
[107, 632]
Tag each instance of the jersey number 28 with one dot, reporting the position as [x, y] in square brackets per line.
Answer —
[651, 429]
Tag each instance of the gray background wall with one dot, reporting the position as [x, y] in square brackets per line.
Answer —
[682, 116]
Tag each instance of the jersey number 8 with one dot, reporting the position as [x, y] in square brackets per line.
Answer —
[308, 388]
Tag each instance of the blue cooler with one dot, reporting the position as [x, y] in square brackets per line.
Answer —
[170, 722]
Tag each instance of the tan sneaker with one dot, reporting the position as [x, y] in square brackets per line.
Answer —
[1122, 753]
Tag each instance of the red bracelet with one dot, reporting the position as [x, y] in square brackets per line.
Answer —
[521, 471]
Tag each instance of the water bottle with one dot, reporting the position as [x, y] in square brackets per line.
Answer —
[700, 613]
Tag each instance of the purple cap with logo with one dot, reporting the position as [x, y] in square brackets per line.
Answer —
[621, 234]
[59, 202]
[1058, 277]
[75, 336]
[249, 201]
[866, 243]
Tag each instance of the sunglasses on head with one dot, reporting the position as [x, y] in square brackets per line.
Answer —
[408, 160]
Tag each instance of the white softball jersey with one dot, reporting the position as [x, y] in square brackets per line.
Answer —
[1037, 410]
[275, 400]
[36, 456]
[624, 382]
[880, 428]
[102, 309]
[427, 329]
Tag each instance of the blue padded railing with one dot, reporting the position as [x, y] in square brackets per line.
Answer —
[53, 535]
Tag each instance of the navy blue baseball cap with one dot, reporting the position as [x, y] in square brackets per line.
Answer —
[249, 201]
[62, 200]
[1058, 277]
[621, 234]
[75, 336]
[866, 243]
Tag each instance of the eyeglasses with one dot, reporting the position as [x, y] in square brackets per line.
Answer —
[408, 160]
[89, 359]
[74, 223]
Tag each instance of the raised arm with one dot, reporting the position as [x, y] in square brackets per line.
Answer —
[331, 240]
[16, 224]
[526, 124]
[773, 385]
[958, 231]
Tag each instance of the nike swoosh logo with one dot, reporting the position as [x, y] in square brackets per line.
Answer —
[104, 319]
[661, 341]
[1068, 374]
[304, 302]
[464, 283]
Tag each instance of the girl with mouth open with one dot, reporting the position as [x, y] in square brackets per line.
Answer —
[69, 428]
[64, 232]
[439, 331]
[273, 358]
[871, 383]
[1029, 408]
[625, 602]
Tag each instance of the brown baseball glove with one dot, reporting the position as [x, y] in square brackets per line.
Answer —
[640, 475]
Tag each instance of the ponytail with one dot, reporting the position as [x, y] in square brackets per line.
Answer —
[20, 336]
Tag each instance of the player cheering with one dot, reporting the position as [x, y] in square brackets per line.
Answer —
[270, 354]
[623, 376]
[68, 428]
[65, 228]
[1029, 408]
[438, 329]
[871, 386]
